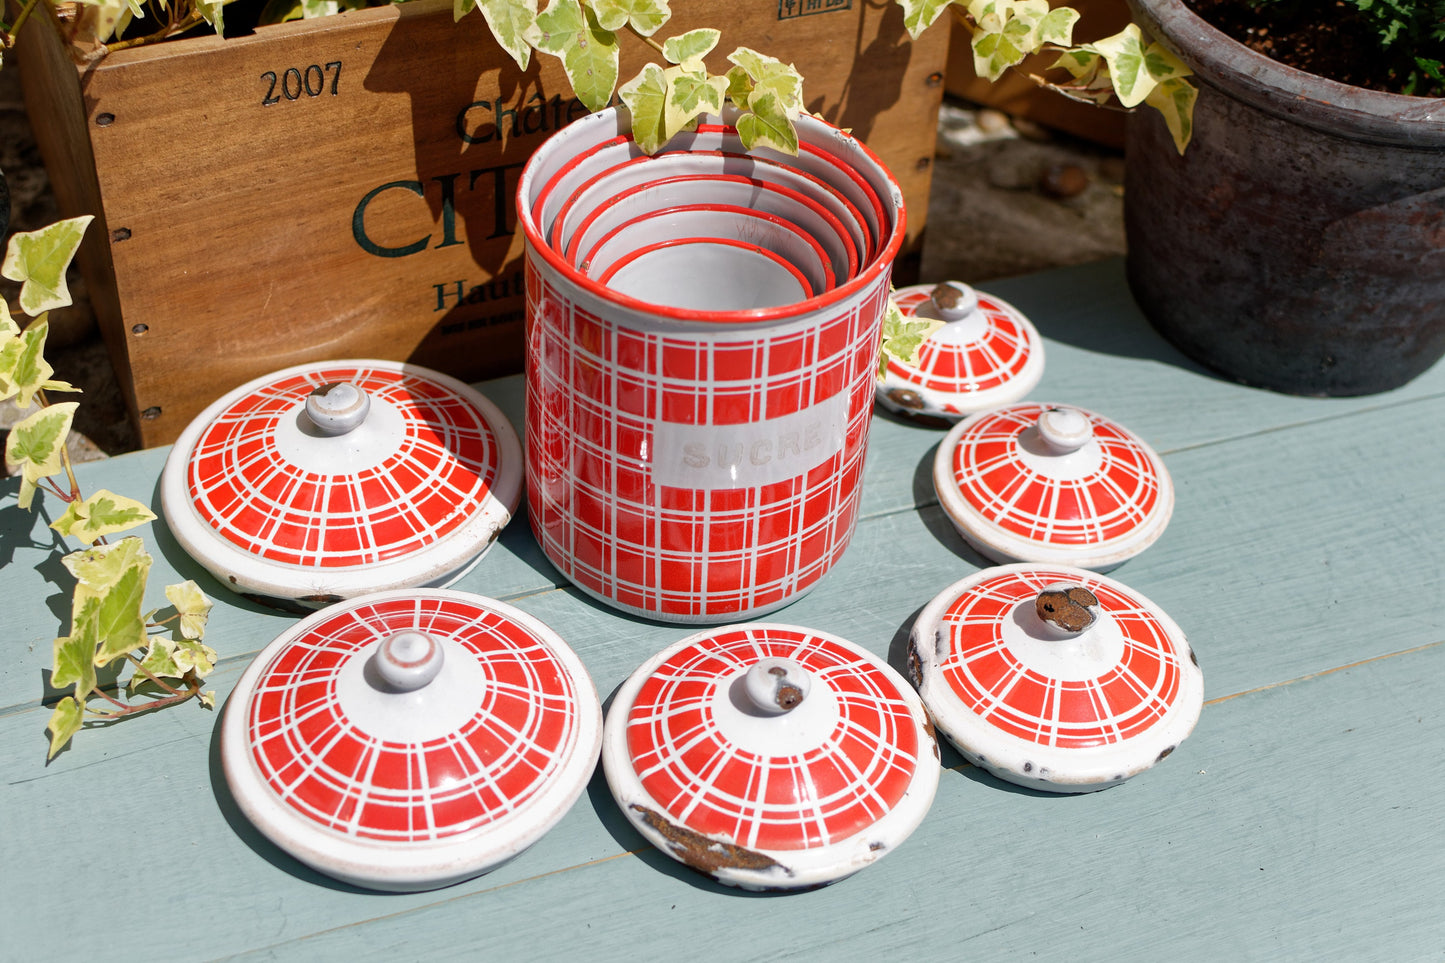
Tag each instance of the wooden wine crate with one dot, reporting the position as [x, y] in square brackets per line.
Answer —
[343, 187]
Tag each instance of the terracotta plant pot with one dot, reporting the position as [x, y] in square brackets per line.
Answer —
[1299, 242]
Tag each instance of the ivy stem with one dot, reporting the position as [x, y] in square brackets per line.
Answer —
[193, 687]
[64, 458]
[20, 21]
[647, 40]
[151, 675]
[109, 698]
[191, 20]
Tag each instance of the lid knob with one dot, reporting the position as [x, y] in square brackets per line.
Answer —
[954, 300]
[409, 660]
[1065, 429]
[775, 686]
[1066, 606]
[337, 408]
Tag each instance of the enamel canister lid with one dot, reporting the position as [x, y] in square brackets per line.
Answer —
[985, 354]
[1055, 678]
[1035, 482]
[329, 480]
[411, 739]
[770, 756]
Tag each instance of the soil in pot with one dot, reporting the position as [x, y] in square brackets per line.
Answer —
[1327, 39]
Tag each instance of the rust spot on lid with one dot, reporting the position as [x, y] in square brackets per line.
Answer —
[1067, 608]
[932, 734]
[703, 852]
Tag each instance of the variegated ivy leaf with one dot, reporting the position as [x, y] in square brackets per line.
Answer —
[120, 588]
[768, 124]
[208, 698]
[918, 15]
[1091, 76]
[65, 722]
[1057, 27]
[8, 327]
[644, 16]
[770, 76]
[646, 98]
[689, 48]
[1174, 98]
[1124, 53]
[211, 11]
[311, 9]
[23, 368]
[511, 23]
[192, 654]
[104, 19]
[103, 513]
[740, 86]
[588, 53]
[903, 336]
[99, 567]
[1007, 32]
[36, 446]
[690, 94]
[38, 259]
[159, 661]
[192, 606]
[75, 653]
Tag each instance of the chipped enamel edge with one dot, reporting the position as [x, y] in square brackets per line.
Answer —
[1019, 761]
[942, 404]
[438, 565]
[764, 869]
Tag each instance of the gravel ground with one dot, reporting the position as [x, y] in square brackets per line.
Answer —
[1008, 198]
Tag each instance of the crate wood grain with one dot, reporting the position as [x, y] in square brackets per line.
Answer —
[343, 187]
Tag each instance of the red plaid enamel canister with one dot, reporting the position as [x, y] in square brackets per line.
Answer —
[332, 479]
[411, 739]
[693, 465]
[770, 756]
[985, 354]
[1036, 482]
[1054, 677]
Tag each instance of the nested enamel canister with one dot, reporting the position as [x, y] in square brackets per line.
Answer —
[770, 756]
[984, 354]
[1054, 677]
[328, 480]
[1035, 482]
[690, 465]
[411, 739]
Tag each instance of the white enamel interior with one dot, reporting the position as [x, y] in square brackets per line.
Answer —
[736, 224]
[709, 276]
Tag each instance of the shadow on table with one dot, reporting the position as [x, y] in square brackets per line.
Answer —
[253, 837]
[1089, 307]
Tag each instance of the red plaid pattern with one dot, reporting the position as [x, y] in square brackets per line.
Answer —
[987, 678]
[330, 771]
[858, 774]
[598, 390]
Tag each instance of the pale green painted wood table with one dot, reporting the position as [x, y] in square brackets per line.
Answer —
[1305, 560]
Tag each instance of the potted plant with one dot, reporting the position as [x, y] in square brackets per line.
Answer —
[1297, 244]
[389, 139]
